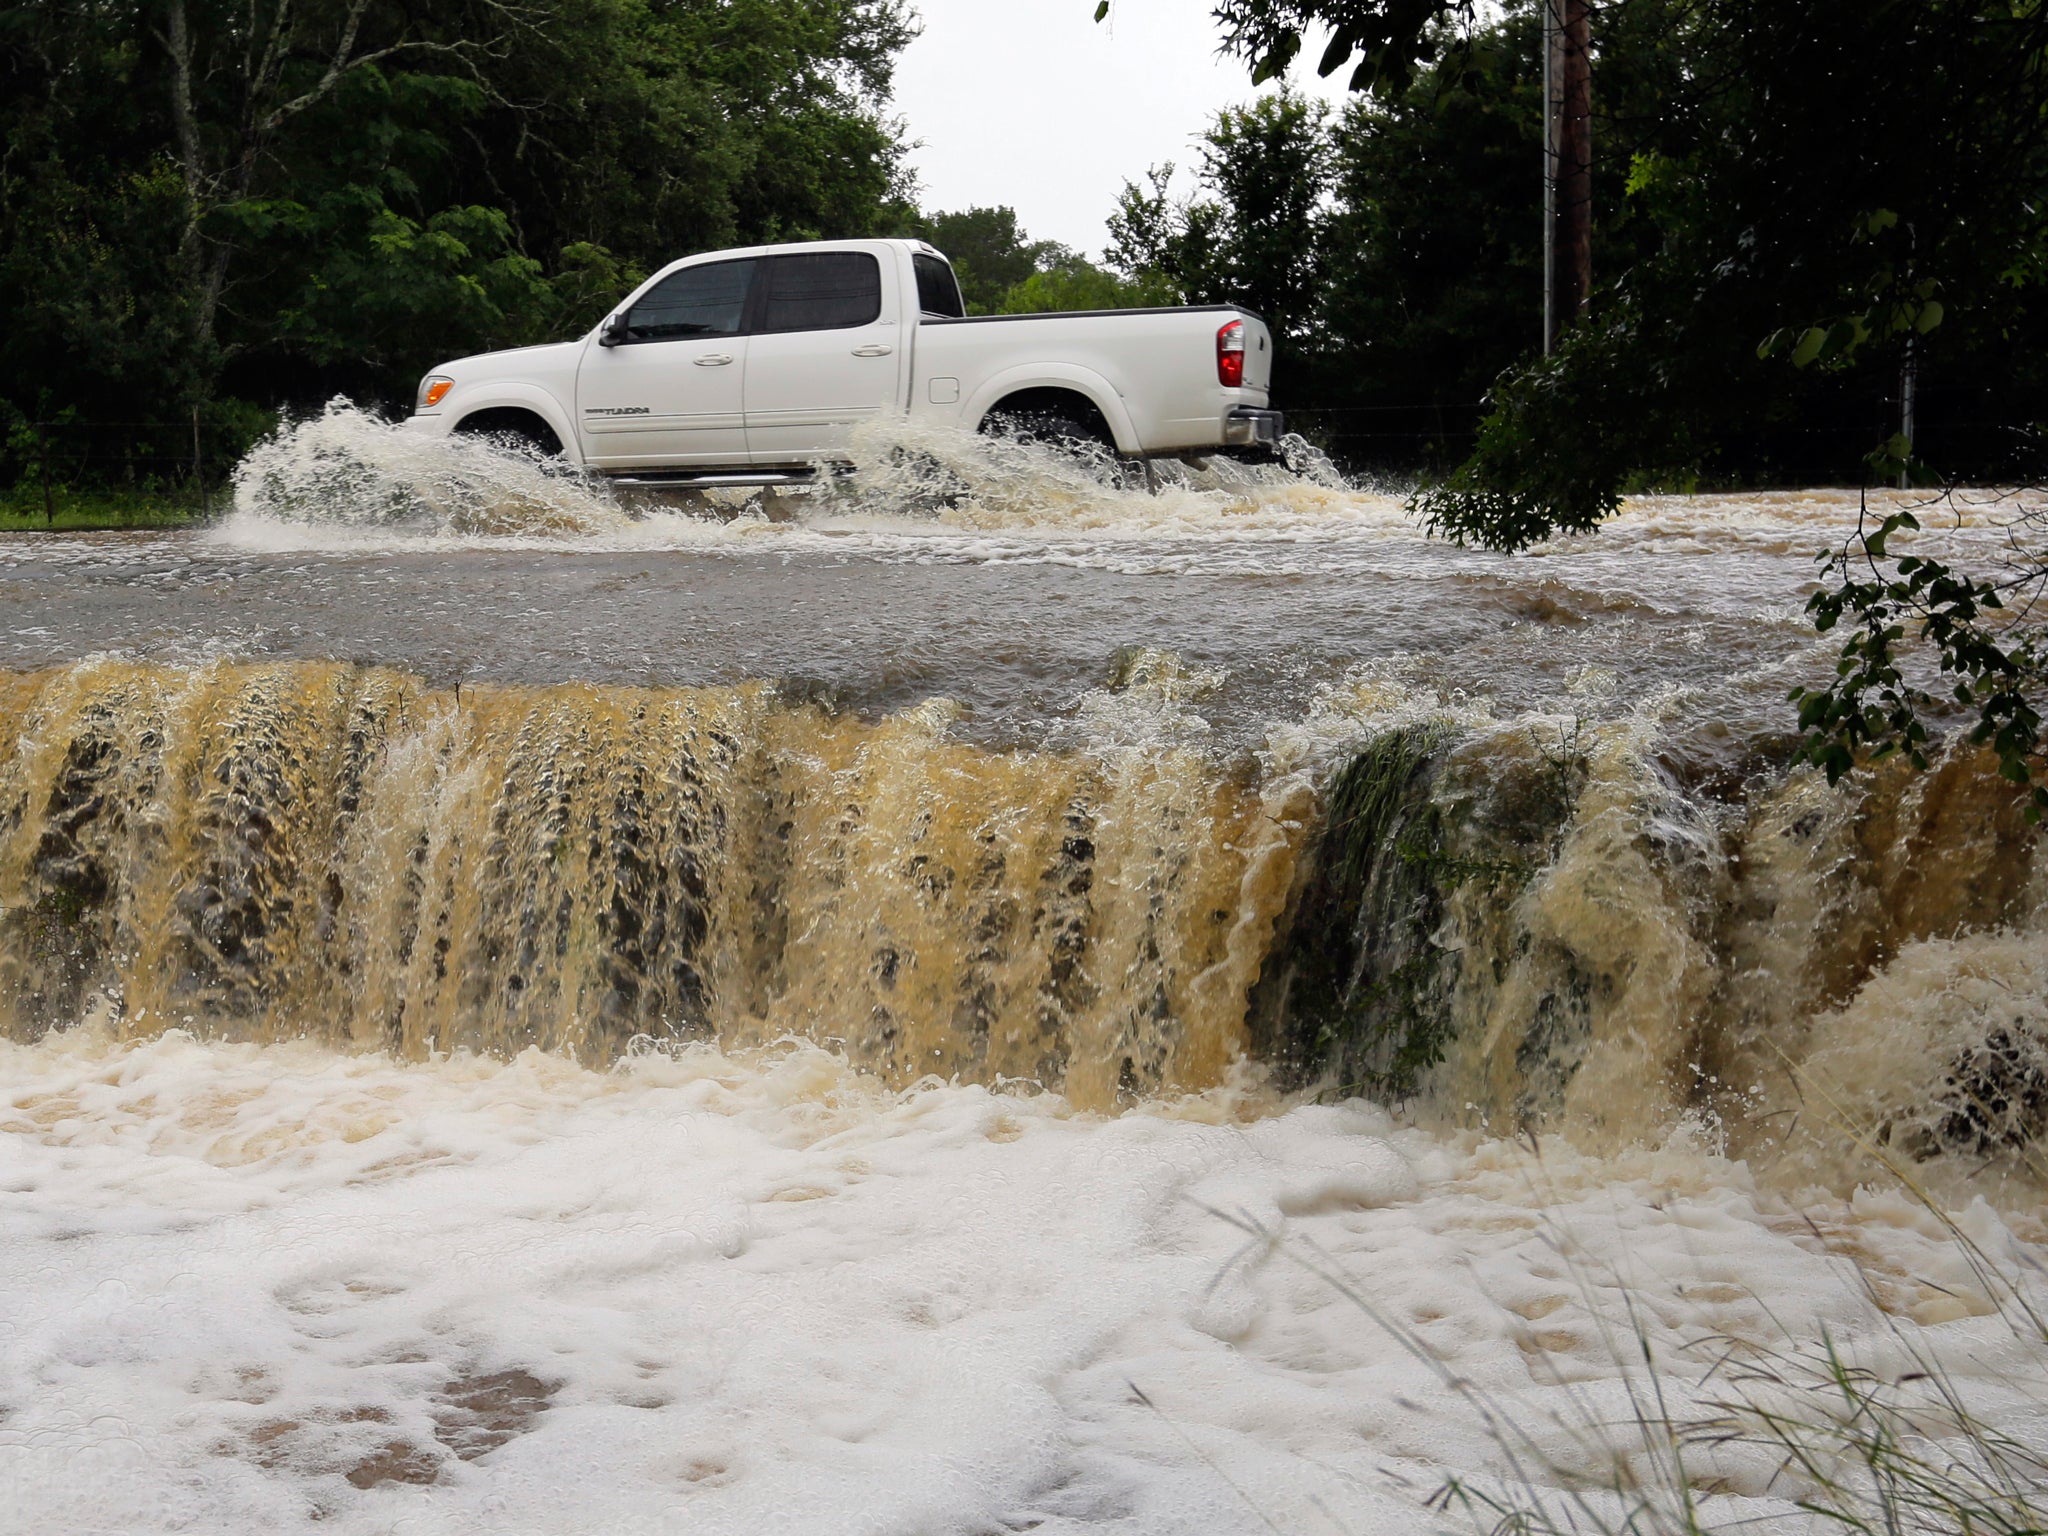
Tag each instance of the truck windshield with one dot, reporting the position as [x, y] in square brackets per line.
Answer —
[710, 300]
[938, 291]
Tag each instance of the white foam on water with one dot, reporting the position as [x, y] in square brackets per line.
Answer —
[352, 476]
[345, 479]
[347, 483]
[273, 1288]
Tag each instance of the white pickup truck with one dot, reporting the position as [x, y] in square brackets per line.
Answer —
[754, 367]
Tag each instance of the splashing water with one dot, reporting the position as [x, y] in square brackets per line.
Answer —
[525, 1009]
[346, 474]
[1522, 920]
[346, 470]
[279, 852]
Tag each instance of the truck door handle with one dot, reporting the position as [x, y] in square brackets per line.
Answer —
[714, 360]
[872, 349]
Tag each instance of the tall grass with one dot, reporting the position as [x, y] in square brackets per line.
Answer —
[1807, 1435]
[25, 510]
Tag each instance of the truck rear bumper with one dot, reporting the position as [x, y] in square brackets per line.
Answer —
[1243, 426]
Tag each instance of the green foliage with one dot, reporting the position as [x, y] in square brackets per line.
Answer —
[1386, 37]
[1003, 271]
[1543, 463]
[375, 289]
[1795, 207]
[990, 253]
[1826, 200]
[1807, 196]
[73, 510]
[1391, 247]
[1896, 604]
[655, 129]
[1252, 235]
[1078, 284]
[1902, 306]
[1433, 269]
[203, 201]
[588, 280]
[1153, 237]
[1435, 193]
[1269, 166]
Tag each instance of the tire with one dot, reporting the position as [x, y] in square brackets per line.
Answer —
[1052, 430]
[521, 431]
[1071, 425]
[1087, 443]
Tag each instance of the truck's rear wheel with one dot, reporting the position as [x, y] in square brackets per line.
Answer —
[1051, 429]
[1059, 418]
[1067, 421]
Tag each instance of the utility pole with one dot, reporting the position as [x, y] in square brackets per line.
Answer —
[1551, 33]
[1909, 387]
[1909, 382]
[1567, 163]
[199, 467]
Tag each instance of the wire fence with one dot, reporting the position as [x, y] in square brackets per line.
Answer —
[1426, 437]
[1953, 439]
[47, 465]
[47, 462]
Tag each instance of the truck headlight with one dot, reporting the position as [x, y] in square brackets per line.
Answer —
[432, 388]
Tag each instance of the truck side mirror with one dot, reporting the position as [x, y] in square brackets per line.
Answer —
[613, 333]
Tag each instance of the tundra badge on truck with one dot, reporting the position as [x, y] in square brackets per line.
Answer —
[617, 410]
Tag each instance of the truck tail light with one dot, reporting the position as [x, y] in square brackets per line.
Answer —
[1230, 355]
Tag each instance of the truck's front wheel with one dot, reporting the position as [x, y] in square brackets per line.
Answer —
[521, 430]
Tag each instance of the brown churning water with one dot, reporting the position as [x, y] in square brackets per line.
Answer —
[269, 852]
[1512, 842]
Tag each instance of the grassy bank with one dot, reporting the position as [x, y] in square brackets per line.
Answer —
[25, 510]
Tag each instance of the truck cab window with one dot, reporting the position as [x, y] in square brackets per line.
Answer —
[710, 300]
[938, 291]
[822, 291]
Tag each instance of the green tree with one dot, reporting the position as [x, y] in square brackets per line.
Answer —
[1252, 233]
[1434, 267]
[1381, 40]
[1076, 283]
[201, 200]
[1268, 165]
[1003, 271]
[1988, 652]
[990, 253]
[1807, 204]
[1843, 195]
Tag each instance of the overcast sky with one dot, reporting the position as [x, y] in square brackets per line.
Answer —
[1030, 103]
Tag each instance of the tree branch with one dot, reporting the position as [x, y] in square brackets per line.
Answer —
[337, 66]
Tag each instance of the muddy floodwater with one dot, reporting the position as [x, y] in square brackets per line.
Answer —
[848, 1012]
[1012, 608]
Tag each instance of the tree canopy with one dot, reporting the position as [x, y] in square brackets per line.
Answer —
[1805, 216]
[202, 202]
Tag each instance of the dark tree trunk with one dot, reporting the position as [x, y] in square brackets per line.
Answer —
[1573, 267]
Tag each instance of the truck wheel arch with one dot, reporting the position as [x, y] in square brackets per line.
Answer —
[1023, 407]
[515, 421]
[1046, 382]
[522, 409]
